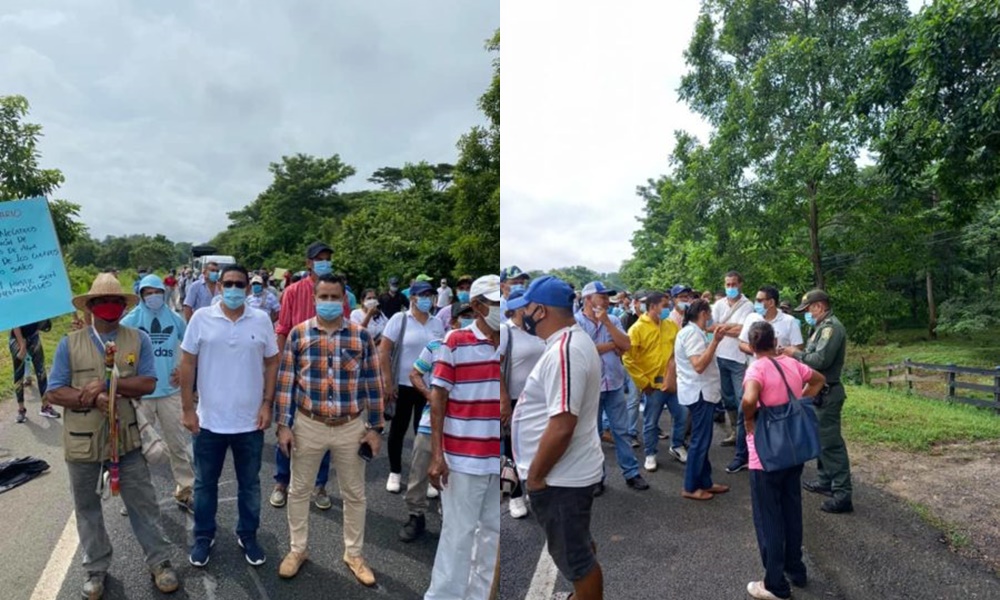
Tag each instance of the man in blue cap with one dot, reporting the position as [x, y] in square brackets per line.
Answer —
[512, 278]
[556, 448]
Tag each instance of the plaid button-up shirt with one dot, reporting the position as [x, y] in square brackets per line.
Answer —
[328, 374]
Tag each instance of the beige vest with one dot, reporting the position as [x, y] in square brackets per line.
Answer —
[86, 436]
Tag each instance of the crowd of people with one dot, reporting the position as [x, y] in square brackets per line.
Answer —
[601, 365]
[214, 361]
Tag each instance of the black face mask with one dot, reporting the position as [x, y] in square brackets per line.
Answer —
[530, 323]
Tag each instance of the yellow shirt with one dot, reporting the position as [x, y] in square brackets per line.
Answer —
[652, 347]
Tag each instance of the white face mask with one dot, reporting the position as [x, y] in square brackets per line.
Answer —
[493, 318]
[371, 303]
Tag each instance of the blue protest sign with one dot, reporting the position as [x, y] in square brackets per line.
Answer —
[33, 281]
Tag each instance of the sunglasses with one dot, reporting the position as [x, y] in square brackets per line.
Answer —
[234, 284]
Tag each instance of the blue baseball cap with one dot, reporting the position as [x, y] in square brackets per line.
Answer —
[546, 290]
[595, 287]
[680, 288]
[512, 272]
[420, 287]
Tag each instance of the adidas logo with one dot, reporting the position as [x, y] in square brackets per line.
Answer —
[157, 335]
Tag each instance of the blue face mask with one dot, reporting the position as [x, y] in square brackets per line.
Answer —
[664, 312]
[810, 319]
[758, 308]
[234, 297]
[732, 293]
[257, 288]
[154, 301]
[329, 310]
[322, 267]
[683, 306]
[424, 304]
[213, 276]
[465, 322]
[709, 324]
[516, 286]
[463, 297]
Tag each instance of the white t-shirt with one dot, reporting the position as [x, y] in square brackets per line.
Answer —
[375, 326]
[525, 350]
[729, 348]
[786, 330]
[567, 378]
[444, 296]
[692, 341]
[416, 337]
[230, 366]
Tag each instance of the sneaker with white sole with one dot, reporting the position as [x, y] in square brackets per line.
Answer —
[518, 510]
[432, 492]
[22, 416]
[392, 484]
[650, 464]
[680, 453]
[757, 590]
[48, 411]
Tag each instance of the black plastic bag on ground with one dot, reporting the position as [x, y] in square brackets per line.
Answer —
[20, 470]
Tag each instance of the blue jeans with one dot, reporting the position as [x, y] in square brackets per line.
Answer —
[283, 469]
[698, 471]
[613, 404]
[632, 407]
[209, 457]
[731, 373]
[776, 498]
[651, 420]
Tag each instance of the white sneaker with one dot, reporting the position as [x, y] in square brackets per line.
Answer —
[393, 485]
[517, 508]
[757, 590]
[650, 463]
[680, 453]
[432, 492]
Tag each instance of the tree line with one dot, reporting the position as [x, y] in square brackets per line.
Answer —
[442, 219]
[854, 146]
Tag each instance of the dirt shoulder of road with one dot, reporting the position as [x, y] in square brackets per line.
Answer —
[954, 487]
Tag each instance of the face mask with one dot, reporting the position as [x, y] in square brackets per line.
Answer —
[732, 293]
[758, 308]
[234, 297]
[642, 307]
[322, 267]
[515, 287]
[465, 322]
[213, 276]
[393, 288]
[371, 303]
[810, 319]
[709, 324]
[463, 297]
[109, 312]
[424, 304]
[329, 311]
[683, 306]
[664, 312]
[530, 324]
[154, 301]
[257, 288]
[493, 318]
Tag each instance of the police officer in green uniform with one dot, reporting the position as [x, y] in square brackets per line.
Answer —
[825, 353]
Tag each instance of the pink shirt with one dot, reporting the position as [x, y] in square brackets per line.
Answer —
[773, 391]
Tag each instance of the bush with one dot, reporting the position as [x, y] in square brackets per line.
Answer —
[964, 315]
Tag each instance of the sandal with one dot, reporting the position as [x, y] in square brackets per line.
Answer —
[697, 495]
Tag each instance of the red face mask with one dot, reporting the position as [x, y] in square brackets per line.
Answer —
[109, 311]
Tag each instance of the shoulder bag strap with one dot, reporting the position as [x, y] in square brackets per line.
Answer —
[791, 395]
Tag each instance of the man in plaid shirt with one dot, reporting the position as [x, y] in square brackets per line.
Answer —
[328, 397]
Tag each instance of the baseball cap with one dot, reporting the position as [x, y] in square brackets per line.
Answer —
[679, 289]
[512, 272]
[811, 296]
[394, 280]
[487, 286]
[423, 277]
[257, 279]
[316, 248]
[462, 307]
[595, 287]
[420, 287]
[546, 290]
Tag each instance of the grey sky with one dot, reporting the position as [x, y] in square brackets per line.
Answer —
[163, 116]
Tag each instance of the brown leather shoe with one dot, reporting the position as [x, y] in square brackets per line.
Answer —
[718, 488]
[697, 495]
[360, 569]
[291, 564]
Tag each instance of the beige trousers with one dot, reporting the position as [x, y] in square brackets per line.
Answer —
[312, 440]
[416, 489]
[166, 412]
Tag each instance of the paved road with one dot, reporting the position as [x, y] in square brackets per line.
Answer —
[656, 545]
[37, 512]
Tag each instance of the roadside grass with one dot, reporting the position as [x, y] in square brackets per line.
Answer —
[981, 349]
[913, 423]
[60, 327]
[954, 535]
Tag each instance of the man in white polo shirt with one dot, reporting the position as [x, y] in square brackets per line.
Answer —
[556, 449]
[465, 450]
[787, 333]
[236, 352]
[731, 311]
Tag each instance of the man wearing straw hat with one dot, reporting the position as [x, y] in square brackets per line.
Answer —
[77, 383]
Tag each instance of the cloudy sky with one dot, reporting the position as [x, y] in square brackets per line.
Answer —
[589, 109]
[163, 116]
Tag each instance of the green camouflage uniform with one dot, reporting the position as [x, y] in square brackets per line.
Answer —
[825, 353]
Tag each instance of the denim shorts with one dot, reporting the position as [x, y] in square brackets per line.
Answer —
[564, 514]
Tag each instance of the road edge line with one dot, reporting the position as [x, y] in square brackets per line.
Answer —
[54, 575]
[544, 580]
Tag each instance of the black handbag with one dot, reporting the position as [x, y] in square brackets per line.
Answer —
[788, 435]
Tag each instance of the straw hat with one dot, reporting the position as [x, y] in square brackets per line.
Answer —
[105, 284]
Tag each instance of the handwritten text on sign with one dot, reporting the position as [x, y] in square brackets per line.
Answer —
[33, 282]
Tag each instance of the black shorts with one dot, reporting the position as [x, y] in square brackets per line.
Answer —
[564, 514]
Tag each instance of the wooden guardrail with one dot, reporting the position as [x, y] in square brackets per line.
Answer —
[909, 372]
